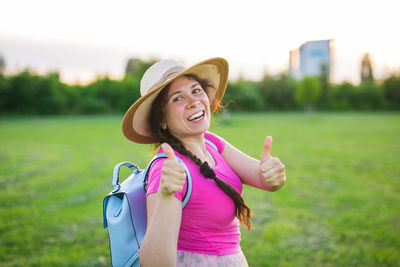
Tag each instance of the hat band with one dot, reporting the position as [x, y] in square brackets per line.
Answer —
[167, 75]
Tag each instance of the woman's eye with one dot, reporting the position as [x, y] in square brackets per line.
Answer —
[196, 91]
[176, 99]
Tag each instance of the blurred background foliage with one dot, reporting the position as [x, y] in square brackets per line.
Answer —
[27, 92]
[339, 208]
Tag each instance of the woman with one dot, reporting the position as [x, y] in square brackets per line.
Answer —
[174, 112]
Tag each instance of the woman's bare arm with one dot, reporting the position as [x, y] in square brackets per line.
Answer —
[267, 173]
[163, 222]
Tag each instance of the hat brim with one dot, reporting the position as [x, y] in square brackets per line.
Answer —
[135, 125]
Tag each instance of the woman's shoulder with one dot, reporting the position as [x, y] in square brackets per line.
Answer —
[216, 141]
[158, 163]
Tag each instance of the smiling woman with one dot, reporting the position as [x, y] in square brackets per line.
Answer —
[186, 92]
[174, 112]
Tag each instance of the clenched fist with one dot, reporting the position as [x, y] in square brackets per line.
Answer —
[173, 173]
[272, 171]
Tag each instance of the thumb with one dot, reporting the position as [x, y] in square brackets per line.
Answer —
[266, 154]
[168, 151]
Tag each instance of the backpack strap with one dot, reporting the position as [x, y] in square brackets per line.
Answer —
[188, 176]
[211, 143]
[115, 182]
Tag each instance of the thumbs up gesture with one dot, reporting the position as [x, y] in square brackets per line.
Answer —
[272, 171]
[173, 173]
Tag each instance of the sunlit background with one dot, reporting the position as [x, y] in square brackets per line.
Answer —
[69, 70]
[82, 39]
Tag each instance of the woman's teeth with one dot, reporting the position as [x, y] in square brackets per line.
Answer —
[196, 116]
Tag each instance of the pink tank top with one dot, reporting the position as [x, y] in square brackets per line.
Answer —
[208, 221]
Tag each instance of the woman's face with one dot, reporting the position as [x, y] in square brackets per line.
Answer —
[187, 112]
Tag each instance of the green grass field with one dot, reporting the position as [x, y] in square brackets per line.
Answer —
[340, 206]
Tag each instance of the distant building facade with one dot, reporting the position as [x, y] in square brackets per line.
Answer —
[311, 59]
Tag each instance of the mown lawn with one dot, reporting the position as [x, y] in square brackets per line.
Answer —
[340, 206]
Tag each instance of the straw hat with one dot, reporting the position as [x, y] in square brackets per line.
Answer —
[135, 124]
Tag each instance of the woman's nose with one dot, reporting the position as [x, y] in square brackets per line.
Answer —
[192, 101]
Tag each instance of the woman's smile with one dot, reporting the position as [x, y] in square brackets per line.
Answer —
[187, 111]
[197, 116]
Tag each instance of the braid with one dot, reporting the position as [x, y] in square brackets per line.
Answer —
[242, 211]
[207, 171]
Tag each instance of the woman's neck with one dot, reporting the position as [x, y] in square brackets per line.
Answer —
[196, 145]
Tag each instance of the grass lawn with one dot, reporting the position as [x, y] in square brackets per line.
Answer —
[340, 206]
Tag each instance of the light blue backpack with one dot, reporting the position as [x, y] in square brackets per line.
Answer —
[125, 213]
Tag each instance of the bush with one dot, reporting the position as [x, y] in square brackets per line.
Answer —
[29, 93]
[368, 96]
[91, 105]
[340, 96]
[243, 95]
[278, 93]
[129, 90]
[308, 91]
[391, 90]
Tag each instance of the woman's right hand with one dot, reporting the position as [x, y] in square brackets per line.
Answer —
[173, 173]
[164, 215]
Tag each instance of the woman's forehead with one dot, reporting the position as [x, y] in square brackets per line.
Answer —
[182, 82]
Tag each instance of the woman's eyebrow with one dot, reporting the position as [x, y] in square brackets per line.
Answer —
[178, 92]
[194, 85]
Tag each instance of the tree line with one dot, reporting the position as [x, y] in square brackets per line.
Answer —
[27, 92]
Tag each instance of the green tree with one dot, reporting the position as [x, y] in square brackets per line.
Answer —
[2, 64]
[129, 89]
[4, 86]
[340, 97]
[243, 95]
[369, 96]
[29, 93]
[278, 92]
[137, 67]
[367, 75]
[4, 92]
[20, 97]
[51, 94]
[391, 88]
[98, 96]
[107, 95]
[307, 92]
[325, 86]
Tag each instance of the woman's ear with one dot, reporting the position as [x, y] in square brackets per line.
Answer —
[164, 125]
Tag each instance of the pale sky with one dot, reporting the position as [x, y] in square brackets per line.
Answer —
[82, 38]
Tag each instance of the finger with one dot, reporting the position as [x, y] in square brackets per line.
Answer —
[171, 189]
[276, 181]
[266, 166]
[168, 151]
[266, 154]
[173, 166]
[270, 175]
[171, 185]
[272, 162]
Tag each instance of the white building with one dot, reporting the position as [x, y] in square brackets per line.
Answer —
[310, 58]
